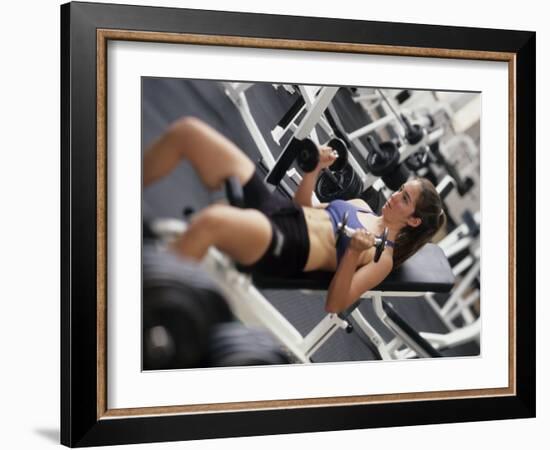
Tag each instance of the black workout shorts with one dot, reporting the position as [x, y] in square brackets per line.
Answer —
[289, 247]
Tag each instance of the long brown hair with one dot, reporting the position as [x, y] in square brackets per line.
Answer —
[429, 209]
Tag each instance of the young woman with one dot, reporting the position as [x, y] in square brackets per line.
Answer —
[283, 237]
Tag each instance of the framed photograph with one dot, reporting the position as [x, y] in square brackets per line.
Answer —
[279, 224]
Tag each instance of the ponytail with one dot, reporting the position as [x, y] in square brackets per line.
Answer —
[429, 209]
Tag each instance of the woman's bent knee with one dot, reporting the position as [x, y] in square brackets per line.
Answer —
[210, 218]
[185, 127]
[204, 230]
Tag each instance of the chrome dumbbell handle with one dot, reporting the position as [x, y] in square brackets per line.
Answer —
[349, 232]
[379, 242]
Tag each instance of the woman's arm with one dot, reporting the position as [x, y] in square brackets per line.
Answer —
[303, 194]
[347, 284]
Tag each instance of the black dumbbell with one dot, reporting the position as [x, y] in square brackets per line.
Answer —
[413, 133]
[379, 241]
[383, 161]
[308, 155]
[339, 181]
[417, 160]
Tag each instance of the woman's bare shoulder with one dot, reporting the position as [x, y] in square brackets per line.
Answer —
[360, 203]
[320, 206]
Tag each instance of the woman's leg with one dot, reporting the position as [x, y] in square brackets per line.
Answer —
[243, 234]
[213, 156]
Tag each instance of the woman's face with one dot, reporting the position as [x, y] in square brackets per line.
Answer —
[400, 207]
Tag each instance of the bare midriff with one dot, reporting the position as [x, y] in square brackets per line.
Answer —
[322, 242]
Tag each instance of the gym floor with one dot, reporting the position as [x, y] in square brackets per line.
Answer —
[165, 100]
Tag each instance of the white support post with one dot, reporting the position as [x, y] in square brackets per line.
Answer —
[250, 306]
[237, 95]
[321, 332]
[461, 288]
[437, 309]
[278, 132]
[463, 265]
[379, 309]
[317, 107]
[394, 345]
[463, 335]
[458, 246]
[234, 90]
[458, 233]
[464, 303]
[307, 125]
[372, 334]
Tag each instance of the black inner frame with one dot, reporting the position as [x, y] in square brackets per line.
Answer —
[79, 424]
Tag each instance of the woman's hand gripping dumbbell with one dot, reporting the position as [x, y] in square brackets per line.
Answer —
[361, 239]
[333, 154]
[327, 157]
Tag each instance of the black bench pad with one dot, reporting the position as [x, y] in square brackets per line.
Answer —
[410, 331]
[426, 271]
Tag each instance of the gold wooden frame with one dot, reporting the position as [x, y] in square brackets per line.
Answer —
[104, 35]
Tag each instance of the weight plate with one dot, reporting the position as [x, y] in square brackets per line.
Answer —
[340, 147]
[308, 155]
[233, 344]
[397, 177]
[380, 165]
[414, 135]
[349, 185]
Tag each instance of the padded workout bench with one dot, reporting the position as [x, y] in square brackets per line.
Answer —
[427, 271]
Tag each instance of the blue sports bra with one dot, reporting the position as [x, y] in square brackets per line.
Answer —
[336, 210]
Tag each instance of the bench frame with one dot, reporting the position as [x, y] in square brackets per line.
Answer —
[251, 307]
